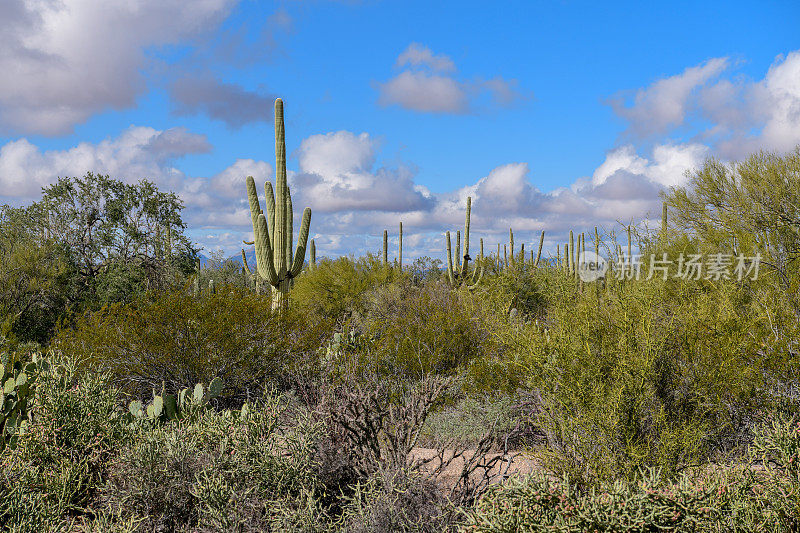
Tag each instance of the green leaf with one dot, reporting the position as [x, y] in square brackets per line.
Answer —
[9, 386]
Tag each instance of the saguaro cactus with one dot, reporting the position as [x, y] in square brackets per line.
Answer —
[400, 249]
[539, 251]
[511, 244]
[461, 275]
[385, 247]
[572, 269]
[273, 239]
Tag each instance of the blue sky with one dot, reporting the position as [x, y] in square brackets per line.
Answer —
[551, 116]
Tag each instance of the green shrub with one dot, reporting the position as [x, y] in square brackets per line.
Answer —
[742, 498]
[652, 374]
[178, 340]
[334, 289]
[424, 330]
[466, 422]
[222, 472]
[58, 464]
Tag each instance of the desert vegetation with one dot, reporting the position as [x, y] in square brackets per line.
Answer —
[142, 393]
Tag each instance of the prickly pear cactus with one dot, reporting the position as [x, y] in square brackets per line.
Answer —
[17, 381]
[185, 405]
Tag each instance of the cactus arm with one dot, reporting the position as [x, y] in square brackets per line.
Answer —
[450, 276]
[539, 252]
[255, 205]
[313, 252]
[458, 252]
[466, 225]
[571, 253]
[269, 199]
[264, 259]
[289, 229]
[663, 217]
[248, 243]
[465, 262]
[480, 268]
[261, 231]
[302, 240]
[244, 262]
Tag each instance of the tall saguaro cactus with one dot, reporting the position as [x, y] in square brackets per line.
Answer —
[385, 247]
[400, 248]
[539, 251]
[461, 275]
[273, 232]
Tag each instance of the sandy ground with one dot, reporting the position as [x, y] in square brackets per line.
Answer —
[520, 464]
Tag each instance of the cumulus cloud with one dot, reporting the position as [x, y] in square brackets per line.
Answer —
[429, 85]
[228, 102]
[664, 105]
[417, 55]
[354, 198]
[337, 173]
[64, 60]
[731, 114]
[139, 152]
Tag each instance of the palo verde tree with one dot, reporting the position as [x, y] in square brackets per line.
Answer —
[36, 277]
[747, 207]
[119, 238]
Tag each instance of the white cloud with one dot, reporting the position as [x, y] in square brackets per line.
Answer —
[429, 85]
[337, 173]
[139, 152]
[734, 116]
[353, 198]
[417, 55]
[664, 105]
[778, 105]
[421, 91]
[64, 60]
